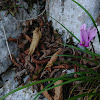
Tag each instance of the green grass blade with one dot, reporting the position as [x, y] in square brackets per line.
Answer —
[74, 88]
[90, 97]
[89, 52]
[89, 16]
[93, 72]
[69, 32]
[85, 78]
[66, 29]
[82, 95]
[90, 81]
[45, 88]
[76, 57]
[41, 81]
[57, 80]
[72, 80]
[49, 86]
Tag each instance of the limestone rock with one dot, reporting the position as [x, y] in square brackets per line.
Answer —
[12, 30]
[72, 16]
[10, 84]
[10, 25]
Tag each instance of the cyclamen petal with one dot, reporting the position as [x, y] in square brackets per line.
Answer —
[87, 35]
[83, 27]
[89, 28]
[92, 33]
[84, 37]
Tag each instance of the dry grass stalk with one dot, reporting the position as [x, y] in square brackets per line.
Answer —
[6, 40]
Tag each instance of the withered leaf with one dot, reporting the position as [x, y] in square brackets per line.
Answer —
[22, 45]
[46, 53]
[58, 90]
[26, 51]
[27, 23]
[41, 22]
[28, 38]
[37, 52]
[43, 73]
[52, 60]
[38, 69]
[46, 94]
[22, 57]
[76, 68]
[11, 39]
[85, 62]
[40, 62]
[53, 72]
[36, 37]
[28, 64]
[63, 66]
[25, 30]
[20, 73]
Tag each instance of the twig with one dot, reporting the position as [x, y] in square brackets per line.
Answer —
[6, 40]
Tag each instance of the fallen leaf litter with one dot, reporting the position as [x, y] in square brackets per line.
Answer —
[37, 41]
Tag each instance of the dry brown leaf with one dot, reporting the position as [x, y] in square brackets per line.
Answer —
[43, 73]
[36, 37]
[53, 72]
[22, 45]
[38, 69]
[52, 60]
[46, 94]
[85, 62]
[11, 39]
[63, 66]
[20, 73]
[27, 23]
[39, 61]
[26, 51]
[46, 53]
[76, 68]
[28, 38]
[25, 30]
[58, 91]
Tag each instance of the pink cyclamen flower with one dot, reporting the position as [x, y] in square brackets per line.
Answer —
[87, 35]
